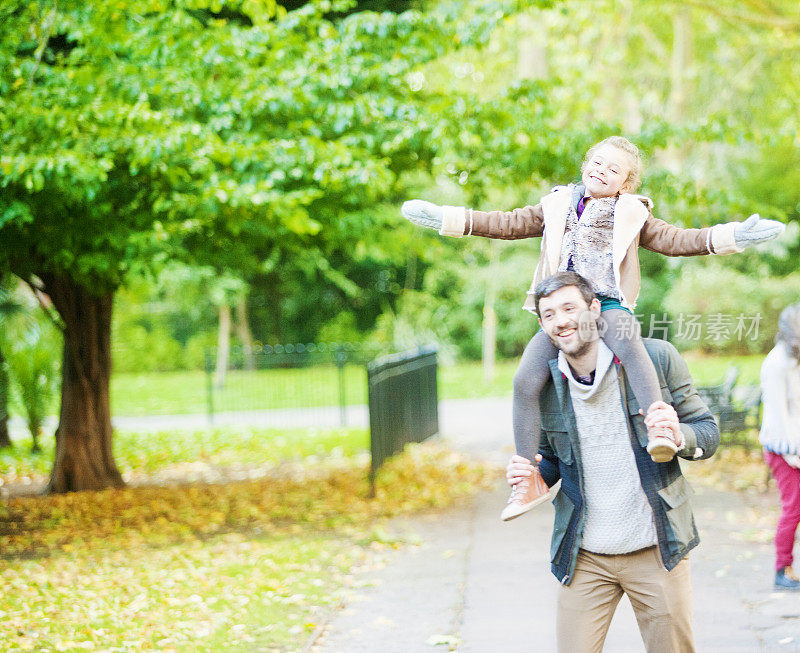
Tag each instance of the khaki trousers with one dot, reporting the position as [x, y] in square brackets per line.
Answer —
[661, 600]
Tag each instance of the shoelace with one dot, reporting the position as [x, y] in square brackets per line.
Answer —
[518, 489]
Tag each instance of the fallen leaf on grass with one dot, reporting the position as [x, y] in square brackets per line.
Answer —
[451, 641]
[330, 497]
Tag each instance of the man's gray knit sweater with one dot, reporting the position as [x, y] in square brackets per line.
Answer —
[618, 517]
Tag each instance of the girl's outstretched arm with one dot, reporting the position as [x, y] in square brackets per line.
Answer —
[527, 222]
[726, 238]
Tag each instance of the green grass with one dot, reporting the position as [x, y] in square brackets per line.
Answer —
[230, 592]
[235, 591]
[256, 565]
[187, 392]
[465, 380]
[143, 453]
[708, 369]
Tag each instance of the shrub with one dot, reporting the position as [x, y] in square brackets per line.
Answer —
[729, 310]
[33, 358]
[140, 349]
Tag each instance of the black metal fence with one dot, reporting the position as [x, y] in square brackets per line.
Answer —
[403, 403]
[317, 384]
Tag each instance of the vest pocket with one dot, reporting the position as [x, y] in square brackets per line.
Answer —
[680, 521]
[556, 433]
[637, 420]
[559, 440]
[564, 511]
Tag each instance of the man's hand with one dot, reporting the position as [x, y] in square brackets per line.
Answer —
[663, 415]
[426, 214]
[754, 230]
[519, 468]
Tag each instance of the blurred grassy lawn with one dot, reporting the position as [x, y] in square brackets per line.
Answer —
[231, 592]
[226, 591]
[145, 453]
[187, 392]
[248, 565]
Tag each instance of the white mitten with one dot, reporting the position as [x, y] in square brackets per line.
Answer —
[754, 230]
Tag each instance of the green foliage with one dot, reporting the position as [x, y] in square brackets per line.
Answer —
[706, 159]
[449, 308]
[157, 125]
[169, 322]
[275, 147]
[33, 358]
[252, 143]
[722, 310]
[140, 349]
[8, 307]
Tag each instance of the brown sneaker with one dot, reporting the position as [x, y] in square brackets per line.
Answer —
[525, 495]
[660, 446]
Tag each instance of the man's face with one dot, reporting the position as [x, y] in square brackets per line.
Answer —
[569, 321]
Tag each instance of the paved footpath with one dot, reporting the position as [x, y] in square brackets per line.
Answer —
[477, 585]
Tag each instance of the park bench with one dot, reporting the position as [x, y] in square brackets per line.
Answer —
[737, 410]
[720, 395]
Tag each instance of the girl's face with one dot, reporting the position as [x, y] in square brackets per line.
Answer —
[606, 172]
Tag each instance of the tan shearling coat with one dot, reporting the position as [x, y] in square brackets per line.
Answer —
[634, 225]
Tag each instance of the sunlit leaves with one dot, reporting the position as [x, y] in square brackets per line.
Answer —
[236, 566]
[329, 495]
[232, 592]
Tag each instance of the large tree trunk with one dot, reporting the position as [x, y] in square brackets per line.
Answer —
[5, 438]
[84, 458]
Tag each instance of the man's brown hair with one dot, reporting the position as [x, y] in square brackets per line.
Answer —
[561, 280]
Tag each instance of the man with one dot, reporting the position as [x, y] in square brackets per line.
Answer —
[623, 523]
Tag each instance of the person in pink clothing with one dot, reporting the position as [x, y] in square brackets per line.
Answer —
[780, 437]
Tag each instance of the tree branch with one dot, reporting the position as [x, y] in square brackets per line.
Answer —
[756, 17]
[37, 286]
[48, 29]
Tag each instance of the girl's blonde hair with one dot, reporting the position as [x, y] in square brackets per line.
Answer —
[621, 143]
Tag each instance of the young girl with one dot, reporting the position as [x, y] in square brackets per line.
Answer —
[594, 228]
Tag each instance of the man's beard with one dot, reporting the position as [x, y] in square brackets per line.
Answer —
[580, 349]
[586, 330]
